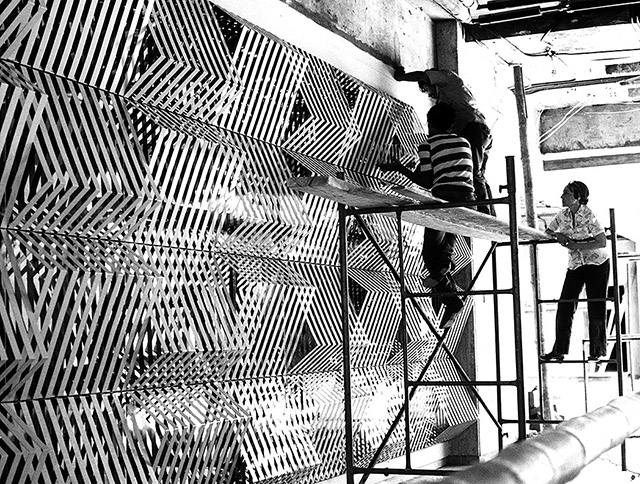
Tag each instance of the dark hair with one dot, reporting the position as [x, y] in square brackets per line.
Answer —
[442, 116]
[580, 191]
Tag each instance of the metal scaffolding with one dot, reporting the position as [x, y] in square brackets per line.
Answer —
[410, 386]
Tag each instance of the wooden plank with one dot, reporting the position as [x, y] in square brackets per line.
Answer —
[458, 220]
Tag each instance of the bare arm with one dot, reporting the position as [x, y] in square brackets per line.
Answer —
[413, 76]
[560, 237]
[415, 176]
[597, 242]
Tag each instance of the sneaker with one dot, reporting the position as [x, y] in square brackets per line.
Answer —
[553, 356]
[449, 311]
[432, 280]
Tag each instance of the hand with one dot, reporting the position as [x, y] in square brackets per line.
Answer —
[563, 239]
[399, 73]
[571, 244]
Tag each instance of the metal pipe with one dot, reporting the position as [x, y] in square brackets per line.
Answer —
[616, 317]
[405, 343]
[515, 282]
[543, 387]
[593, 299]
[344, 286]
[496, 336]
[585, 378]
[480, 292]
[453, 383]
[558, 455]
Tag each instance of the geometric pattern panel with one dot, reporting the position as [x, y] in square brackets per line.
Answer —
[170, 310]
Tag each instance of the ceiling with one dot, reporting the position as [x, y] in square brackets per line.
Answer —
[563, 45]
[527, 15]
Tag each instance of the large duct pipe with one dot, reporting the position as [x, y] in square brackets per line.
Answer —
[558, 455]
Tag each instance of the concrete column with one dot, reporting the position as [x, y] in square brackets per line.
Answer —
[465, 448]
[448, 38]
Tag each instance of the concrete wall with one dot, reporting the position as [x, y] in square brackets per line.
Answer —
[591, 127]
[396, 32]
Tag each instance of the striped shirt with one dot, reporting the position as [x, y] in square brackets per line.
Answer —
[446, 163]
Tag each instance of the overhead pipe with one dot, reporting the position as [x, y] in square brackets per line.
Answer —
[582, 5]
[557, 456]
[504, 4]
[458, 9]
[510, 15]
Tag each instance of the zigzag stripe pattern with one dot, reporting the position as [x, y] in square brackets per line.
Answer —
[170, 310]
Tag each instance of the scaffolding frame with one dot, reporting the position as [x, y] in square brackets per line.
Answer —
[409, 386]
[619, 337]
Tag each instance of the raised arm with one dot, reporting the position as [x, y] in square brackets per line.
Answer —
[413, 76]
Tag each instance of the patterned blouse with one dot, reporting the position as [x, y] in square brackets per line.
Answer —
[579, 227]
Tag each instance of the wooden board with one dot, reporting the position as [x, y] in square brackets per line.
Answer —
[458, 220]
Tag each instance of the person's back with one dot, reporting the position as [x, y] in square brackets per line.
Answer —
[449, 89]
[448, 157]
[445, 159]
[446, 168]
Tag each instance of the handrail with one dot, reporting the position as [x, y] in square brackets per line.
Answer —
[558, 455]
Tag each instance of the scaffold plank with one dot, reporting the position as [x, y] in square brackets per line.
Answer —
[459, 220]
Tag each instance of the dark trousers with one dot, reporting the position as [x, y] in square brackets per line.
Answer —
[479, 137]
[437, 251]
[595, 279]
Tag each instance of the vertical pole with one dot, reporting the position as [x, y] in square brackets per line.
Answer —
[616, 318]
[404, 342]
[521, 104]
[496, 325]
[344, 285]
[515, 281]
[585, 378]
[530, 207]
[545, 407]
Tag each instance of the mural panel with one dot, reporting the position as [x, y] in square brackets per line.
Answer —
[170, 310]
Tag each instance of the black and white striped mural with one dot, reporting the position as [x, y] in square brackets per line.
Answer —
[170, 310]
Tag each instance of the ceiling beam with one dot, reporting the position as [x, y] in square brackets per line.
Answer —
[590, 161]
[508, 24]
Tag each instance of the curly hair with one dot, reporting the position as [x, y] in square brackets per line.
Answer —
[580, 191]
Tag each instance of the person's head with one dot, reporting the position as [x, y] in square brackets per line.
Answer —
[575, 192]
[428, 89]
[440, 118]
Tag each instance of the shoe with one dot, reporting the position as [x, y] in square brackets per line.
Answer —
[449, 311]
[595, 357]
[553, 356]
[432, 281]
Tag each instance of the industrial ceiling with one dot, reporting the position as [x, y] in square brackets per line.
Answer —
[565, 44]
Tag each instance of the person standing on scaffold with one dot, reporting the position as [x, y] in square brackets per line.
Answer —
[576, 228]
